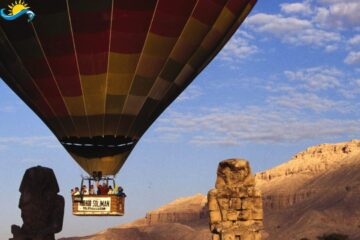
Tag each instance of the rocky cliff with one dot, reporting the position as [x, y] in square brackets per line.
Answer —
[316, 192]
[311, 162]
[287, 184]
[183, 210]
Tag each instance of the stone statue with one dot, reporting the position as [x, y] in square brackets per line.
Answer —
[235, 205]
[42, 209]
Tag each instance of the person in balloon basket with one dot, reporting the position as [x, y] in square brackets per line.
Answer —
[120, 192]
[84, 190]
[91, 190]
[111, 191]
[76, 192]
[102, 189]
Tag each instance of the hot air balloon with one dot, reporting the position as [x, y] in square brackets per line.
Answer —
[99, 72]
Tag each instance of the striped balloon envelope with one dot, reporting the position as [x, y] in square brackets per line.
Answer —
[99, 72]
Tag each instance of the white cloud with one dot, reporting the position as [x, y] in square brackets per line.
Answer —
[353, 58]
[292, 30]
[355, 40]
[253, 125]
[328, 88]
[277, 24]
[275, 87]
[245, 34]
[313, 36]
[316, 78]
[352, 91]
[35, 141]
[7, 109]
[239, 48]
[311, 101]
[190, 93]
[335, 1]
[331, 48]
[339, 13]
[302, 8]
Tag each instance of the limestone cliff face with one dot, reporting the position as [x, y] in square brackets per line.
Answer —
[287, 184]
[312, 161]
[316, 192]
[183, 210]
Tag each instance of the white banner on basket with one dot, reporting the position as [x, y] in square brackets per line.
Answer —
[95, 204]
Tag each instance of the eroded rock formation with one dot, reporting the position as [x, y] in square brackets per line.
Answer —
[317, 192]
[42, 209]
[284, 186]
[235, 205]
[183, 210]
[313, 161]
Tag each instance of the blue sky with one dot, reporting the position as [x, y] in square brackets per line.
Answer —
[289, 79]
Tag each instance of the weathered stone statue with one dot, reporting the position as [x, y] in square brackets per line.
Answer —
[42, 209]
[235, 205]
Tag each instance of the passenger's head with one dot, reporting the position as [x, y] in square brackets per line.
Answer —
[104, 184]
[120, 189]
[76, 189]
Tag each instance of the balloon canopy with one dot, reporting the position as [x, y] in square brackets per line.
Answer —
[99, 72]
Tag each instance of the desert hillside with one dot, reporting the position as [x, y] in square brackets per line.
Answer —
[183, 219]
[316, 192]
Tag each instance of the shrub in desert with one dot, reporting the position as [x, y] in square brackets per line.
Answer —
[333, 236]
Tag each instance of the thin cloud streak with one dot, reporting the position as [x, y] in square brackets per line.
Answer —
[190, 93]
[293, 30]
[294, 8]
[7, 109]
[253, 125]
[338, 13]
[310, 101]
[353, 58]
[34, 141]
[240, 48]
[316, 78]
